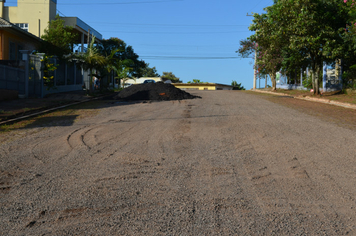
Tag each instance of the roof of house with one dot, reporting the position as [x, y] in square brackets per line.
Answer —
[4, 24]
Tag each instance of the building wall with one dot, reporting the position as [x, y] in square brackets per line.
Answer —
[14, 43]
[36, 13]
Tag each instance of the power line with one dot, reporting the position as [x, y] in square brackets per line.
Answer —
[106, 3]
[164, 32]
[164, 25]
[188, 45]
[187, 58]
[119, 3]
[61, 13]
[255, 6]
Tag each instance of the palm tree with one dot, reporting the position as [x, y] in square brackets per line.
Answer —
[121, 68]
[90, 60]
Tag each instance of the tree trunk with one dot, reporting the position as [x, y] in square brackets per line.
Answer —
[266, 81]
[273, 79]
[91, 81]
[316, 90]
[313, 79]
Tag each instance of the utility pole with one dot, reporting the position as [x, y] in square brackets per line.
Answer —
[255, 71]
[255, 66]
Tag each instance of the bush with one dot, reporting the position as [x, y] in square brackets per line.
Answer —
[308, 82]
[348, 79]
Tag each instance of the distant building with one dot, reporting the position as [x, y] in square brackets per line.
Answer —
[203, 86]
[128, 82]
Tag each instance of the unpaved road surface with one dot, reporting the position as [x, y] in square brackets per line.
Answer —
[231, 163]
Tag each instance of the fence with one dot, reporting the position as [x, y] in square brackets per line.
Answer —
[12, 77]
[67, 77]
[330, 82]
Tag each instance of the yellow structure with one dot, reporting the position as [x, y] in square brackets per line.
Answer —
[13, 40]
[34, 15]
[202, 86]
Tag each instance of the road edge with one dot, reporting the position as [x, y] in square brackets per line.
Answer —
[306, 98]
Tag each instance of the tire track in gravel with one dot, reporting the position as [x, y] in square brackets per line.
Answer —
[302, 192]
[220, 165]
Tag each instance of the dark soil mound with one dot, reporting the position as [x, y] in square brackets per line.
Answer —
[153, 91]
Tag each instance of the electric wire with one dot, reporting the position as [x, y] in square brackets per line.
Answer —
[102, 3]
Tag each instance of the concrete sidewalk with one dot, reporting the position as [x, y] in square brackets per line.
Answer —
[308, 98]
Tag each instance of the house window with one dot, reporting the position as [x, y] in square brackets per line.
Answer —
[19, 54]
[12, 51]
[23, 26]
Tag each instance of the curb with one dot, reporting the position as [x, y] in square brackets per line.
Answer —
[320, 100]
[49, 110]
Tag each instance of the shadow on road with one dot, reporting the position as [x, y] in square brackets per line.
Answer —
[52, 121]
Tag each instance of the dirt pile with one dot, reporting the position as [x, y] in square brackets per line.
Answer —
[153, 91]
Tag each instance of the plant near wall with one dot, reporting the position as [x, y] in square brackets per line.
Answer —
[48, 71]
[349, 78]
[308, 82]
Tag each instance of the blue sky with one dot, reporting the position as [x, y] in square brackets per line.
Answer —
[194, 39]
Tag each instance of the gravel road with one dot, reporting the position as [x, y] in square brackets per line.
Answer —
[231, 163]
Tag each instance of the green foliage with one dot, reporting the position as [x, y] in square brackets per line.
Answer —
[123, 52]
[237, 86]
[195, 81]
[307, 82]
[58, 39]
[269, 42]
[48, 71]
[170, 76]
[150, 72]
[298, 33]
[247, 47]
[349, 78]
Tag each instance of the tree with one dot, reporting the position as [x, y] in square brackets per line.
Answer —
[313, 31]
[170, 76]
[247, 47]
[150, 72]
[237, 86]
[293, 34]
[195, 81]
[123, 53]
[269, 42]
[58, 39]
[349, 47]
